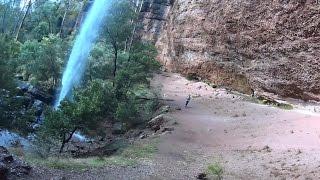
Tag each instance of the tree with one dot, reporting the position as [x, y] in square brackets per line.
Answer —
[23, 19]
[89, 107]
[43, 60]
[119, 27]
[9, 50]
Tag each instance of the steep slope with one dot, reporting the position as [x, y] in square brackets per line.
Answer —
[270, 45]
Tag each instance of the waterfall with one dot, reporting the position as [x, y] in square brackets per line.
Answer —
[76, 65]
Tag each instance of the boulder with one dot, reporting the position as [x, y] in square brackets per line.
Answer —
[156, 122]
[36, 93]
[167, 129]
[11, 167]
[164, 109]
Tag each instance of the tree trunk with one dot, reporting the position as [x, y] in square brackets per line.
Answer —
[62, 146]
[23, 19]
[64, 18]
[115, 64]
[65, 141]
[78, 20]
[137, 10]
[16, 19]
[3, 28]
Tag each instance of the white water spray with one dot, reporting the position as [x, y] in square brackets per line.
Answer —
[89, 31]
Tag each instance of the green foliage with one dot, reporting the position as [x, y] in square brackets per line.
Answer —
[119, 24]
[15, 115]
[269, 101]
[133, 74]
[100, 66]
[139, 151]
[215, 170]
[115, 85]
[42, 30]
[145, 54]
[126, 156]
[8, 50]
[42, 61]
[127, 112]
[136, 71]
[84, 113]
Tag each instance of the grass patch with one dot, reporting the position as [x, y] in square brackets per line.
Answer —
[271, 102]
[215, 170]
[64, 163]
[139, 151]
[127, 156]
[285, 106]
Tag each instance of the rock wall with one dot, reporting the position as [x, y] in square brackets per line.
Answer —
[268, 45]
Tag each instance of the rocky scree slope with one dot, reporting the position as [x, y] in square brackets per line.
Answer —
[268, 45]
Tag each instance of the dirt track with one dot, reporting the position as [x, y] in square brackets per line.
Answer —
[250, 141]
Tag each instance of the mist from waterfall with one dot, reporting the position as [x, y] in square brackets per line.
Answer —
[77, 62]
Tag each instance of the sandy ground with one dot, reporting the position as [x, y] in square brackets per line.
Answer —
[250, 141]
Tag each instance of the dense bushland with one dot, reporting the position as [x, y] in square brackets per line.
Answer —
[35, 42]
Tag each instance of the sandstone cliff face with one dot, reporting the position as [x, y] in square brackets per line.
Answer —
[268, 45]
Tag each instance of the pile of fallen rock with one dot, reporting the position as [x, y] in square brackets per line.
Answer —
[161, 123]
[11, 167]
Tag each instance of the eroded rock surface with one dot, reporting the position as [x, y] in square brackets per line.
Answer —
[267, 45]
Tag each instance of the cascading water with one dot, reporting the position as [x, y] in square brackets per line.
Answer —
[89, 31]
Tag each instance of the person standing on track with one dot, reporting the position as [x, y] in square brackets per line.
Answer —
[188, 100]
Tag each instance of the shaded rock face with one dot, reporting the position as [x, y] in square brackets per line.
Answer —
[268, 45]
